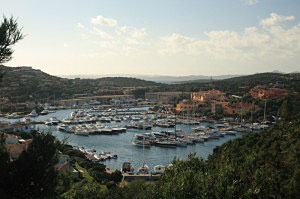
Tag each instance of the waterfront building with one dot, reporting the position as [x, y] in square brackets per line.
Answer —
[166, 97]
[186, 106]
[239, 108]
[87, 100]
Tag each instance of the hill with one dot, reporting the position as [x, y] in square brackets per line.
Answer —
[240, 85]
[28, 83]
[157, 78]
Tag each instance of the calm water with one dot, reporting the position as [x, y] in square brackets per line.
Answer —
[121, 144]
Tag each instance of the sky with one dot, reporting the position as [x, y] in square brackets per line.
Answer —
[156, 37]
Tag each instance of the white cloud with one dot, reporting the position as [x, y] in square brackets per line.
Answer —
[114, 39]
[250, 44]
[176, 43]
[80, 26]
[275, 19]
[250, 2]
[100, 20]
[136, 33]
[102, 34]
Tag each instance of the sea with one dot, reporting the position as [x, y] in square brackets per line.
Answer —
[121, 144]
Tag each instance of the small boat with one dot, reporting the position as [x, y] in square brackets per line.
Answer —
[81, 132]
[140, 141]
[62, 127]
[27, 120]
[230, 132]
[52, 121]
[168, 144]
[33, 114]
[144, 169]
[44, 112]
[159, 169]
[14, 116]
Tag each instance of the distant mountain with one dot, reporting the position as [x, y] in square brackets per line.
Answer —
[156, 78]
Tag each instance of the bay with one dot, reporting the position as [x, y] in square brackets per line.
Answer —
[121, 144]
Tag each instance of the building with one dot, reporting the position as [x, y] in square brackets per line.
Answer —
[207, 96]
[91, 100]
[186, 106]
[262, 92]
[239, 108]
[15, 145]
[166, 97]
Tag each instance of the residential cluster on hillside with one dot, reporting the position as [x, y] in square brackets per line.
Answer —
[216, 101]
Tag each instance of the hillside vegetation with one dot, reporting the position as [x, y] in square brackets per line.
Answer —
[240, 85]
[28, 83]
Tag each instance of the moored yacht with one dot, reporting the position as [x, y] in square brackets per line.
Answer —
[159, 169]
[144, 169]
[33, 114]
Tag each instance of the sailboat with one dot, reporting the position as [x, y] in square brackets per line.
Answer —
[144, 169]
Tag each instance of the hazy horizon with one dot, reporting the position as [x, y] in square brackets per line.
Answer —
[171, 37]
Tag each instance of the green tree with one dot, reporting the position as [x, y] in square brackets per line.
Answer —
[10, 34]
[33, 174]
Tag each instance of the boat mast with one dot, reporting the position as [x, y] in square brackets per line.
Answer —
[175, 123]
[265, 110]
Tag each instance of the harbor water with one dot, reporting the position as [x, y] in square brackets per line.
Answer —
[121, 144]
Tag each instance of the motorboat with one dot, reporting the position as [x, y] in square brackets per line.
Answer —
[14, 116]
[159, 169]
[44, 112]
[52, 121]
[82, 132]
[27, 120]
[33, 114]
[144, 169]
[62, 127]
[140, 141]
[169, 144]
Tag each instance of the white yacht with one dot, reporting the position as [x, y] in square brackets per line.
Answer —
[33, 114]
[144, 169]
[159, 169]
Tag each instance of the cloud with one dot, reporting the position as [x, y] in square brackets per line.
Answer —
[176, 43]
[250, 2]
[275, 19]
[135, 33]
[113, 38]
[250, 44]
[102, 34]
[100, 20]
[80, 26]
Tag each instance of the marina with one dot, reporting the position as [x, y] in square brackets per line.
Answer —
[132, 135]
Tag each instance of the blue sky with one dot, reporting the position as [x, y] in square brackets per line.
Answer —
[157, 37]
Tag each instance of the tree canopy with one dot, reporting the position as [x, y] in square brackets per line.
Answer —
[10, 34]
